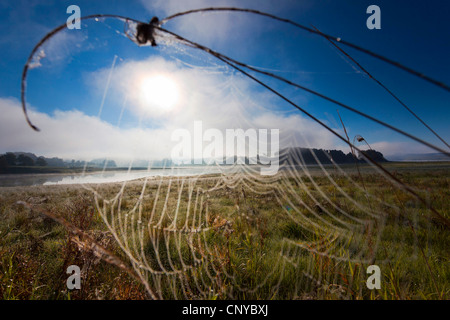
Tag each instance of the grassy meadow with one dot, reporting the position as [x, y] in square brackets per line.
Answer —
[209, 238]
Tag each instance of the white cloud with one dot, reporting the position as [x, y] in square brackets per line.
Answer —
[207, 94]
[72, 134]
[219, 99]
[297, 131]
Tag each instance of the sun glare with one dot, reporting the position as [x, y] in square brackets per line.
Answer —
[159, 91]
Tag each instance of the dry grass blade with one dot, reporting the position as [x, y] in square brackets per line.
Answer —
[86, 242]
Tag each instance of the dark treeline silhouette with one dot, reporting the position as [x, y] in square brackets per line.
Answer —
[308, 156]
[26, 162]
[27, 159]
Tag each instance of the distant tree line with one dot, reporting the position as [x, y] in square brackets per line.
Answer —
[10, 159]
[300, 156]
[14, 161]
[320, 156]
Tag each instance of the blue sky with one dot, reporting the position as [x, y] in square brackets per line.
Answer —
[66, 91]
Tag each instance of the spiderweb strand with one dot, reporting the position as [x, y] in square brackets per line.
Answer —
[230, 62]
[126, 19]
[40, 43]
[165, 232]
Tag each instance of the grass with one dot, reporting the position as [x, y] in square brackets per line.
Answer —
[300, 244]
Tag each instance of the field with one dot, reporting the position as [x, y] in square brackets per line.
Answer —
[300, 237]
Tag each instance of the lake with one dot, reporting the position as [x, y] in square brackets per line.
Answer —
[18, 180]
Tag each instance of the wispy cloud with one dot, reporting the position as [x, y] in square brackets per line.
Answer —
[393, 148]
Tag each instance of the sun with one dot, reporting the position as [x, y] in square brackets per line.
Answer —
[159, 91]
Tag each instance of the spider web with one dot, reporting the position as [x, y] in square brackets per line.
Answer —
[199, 237]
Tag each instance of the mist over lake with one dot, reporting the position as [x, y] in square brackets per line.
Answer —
[18, 180]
